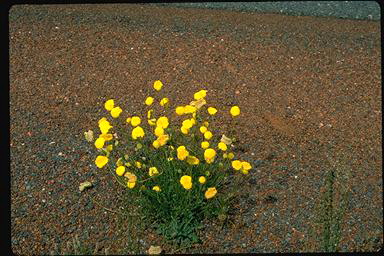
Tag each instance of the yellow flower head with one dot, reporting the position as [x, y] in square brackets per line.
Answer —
[135, 121]
[222, 146]
[162, 139]
[202, 179]
[153, 171]
[164, 102]
[159, 131]
[212, 111]
[101, 161]
[115, 112]
[209, 155]
[156, 144]
[109, 105]
[246, 166]
[179, 110]
[148, 101]
[138, 164]
[184, 130]
[236, 164]
[162, 122]
[235, 111]
[200, 94]
[205, 144]
[182, 152]
[152, 122]
[129, 120]
[186, 182]
[104, 126]
[230, 156]
[131, 184]
[99, 143]
[120, 170]
[198, 103]
[211, 192]
[192, 160]
[203, 129]
[156, 188]
[187, 123]
[157, 85]
[106, 136]
[137, 132]
[208, 135]
[188, 109]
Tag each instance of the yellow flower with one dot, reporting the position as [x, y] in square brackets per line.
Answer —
[202, 179]
[235, 111]
[236, 164]
[156, 144]
[206, 124]
[188, 109]
[159, 131]
[115, 112]
[120, 170]
[164, 101]
[222, 146]
[104, 125]
[205, 144]
[119, 162]
[184, 130]
[244, 171]
[99, 143]
[106, 136]
[109, 105]
[162, 122]
[149, 101]
[211, 192]
[198, 103]
[153, 171]
[180, 110]
[135, 121]
[101, 161]
[200, 94]
[162, 139]
[129, 120]
[203, 129]
[152, 122]
[209, 155]
[230, 156]
[192, 160]
[208, 135]
[156, 188]
[131, 184]
[138, 164]
[187, 123]
[149, 113]
[246, 166]
[212, 111]
[138, 132]
[182, 152]
[157, 85]
[186, 182]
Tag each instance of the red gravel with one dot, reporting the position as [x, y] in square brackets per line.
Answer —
[309, 90]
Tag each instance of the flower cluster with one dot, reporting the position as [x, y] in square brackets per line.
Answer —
[170, 158]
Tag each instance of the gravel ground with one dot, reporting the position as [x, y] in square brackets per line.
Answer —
[309, 89]
[361, 10]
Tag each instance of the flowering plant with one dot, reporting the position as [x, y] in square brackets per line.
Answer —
[175, 169]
